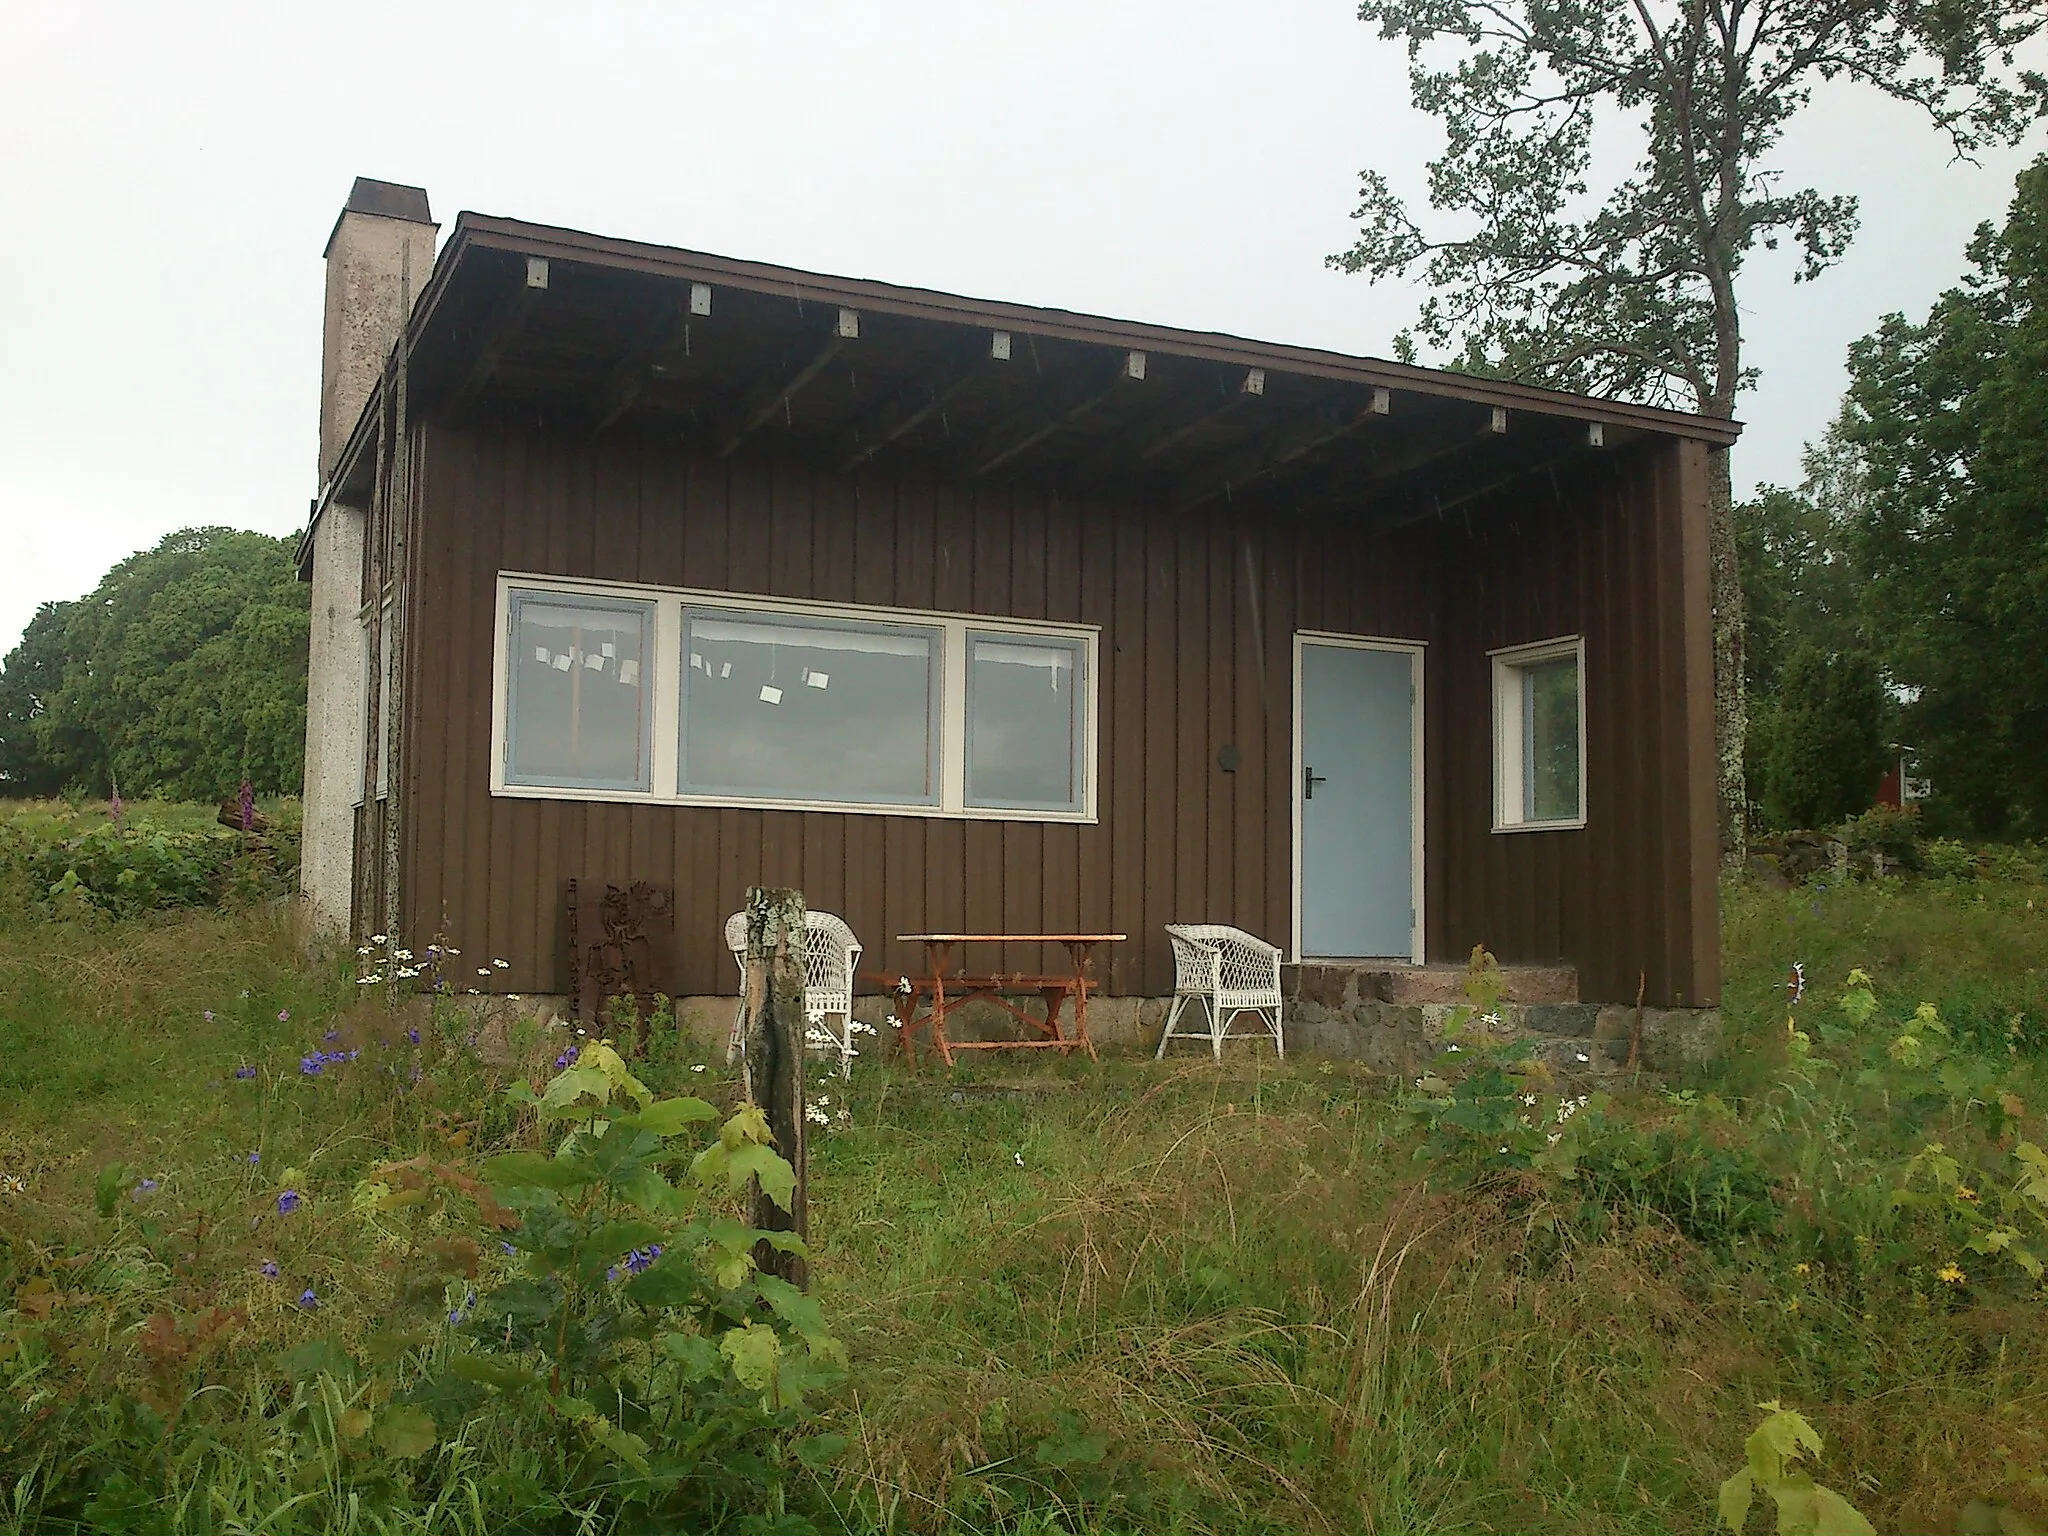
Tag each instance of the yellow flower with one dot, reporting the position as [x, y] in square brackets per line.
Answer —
[1950, 1273]
[1802, 1269]
[1964, 1192]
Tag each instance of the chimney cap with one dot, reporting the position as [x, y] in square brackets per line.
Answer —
[384, 200]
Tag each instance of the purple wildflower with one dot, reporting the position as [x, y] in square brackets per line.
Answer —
[245, 1072]
[509, 1249]
[145, 1188]
[354, 1052]
[270, 1269]
[311, 1065]
[331, 1036]
[287, 1202]
[412, 1033]
[612, 1273]
[307, 1299]
[567, 1059]
[207, 1014]
[246, 801]
[638, 1260]
[284, 1015]
[255, 1158]
[462, 1312]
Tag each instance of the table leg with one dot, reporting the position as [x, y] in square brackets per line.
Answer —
[938, 956]
[1079, 954]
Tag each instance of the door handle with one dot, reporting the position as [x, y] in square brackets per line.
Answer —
[1309, 780]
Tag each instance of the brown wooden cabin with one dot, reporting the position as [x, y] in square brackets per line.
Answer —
[1102, 625]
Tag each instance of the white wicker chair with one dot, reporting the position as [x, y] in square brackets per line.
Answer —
[831, 955]
[1228, 972]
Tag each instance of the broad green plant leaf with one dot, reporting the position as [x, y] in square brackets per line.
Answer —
[534, 1170]
[405, 1432]
[489, 1372]
[754, 1351]
[667, 1117]
[577, 1088]
[749, 1160]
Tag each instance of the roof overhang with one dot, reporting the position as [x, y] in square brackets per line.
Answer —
[581, 332]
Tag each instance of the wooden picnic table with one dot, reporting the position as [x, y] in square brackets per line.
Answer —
[942, 993]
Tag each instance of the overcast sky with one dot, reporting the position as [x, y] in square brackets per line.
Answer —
[171, 173]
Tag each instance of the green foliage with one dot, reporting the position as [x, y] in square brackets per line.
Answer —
[1950, 419]
[1194, 1301]
[30, 677]
[184, 671]
[1819, 741]
[1774, 1463]
[632, 1312]
[73, 863]
[1635, 294]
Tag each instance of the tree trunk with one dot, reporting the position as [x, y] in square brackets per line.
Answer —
[1731, 697]
[774, 1060]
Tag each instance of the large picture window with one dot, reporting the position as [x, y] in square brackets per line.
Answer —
[811, 709]
[631, 693]
[1539, 736]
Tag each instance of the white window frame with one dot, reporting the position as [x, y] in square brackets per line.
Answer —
[1509, 663]
[664, 667]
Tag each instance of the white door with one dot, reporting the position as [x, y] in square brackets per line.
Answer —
[1356, 796]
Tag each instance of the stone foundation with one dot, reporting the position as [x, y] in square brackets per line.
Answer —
[1336, 1012]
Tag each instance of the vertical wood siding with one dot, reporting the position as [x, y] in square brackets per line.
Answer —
[1198, 614]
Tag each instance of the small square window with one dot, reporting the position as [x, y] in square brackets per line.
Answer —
[1024, 722]
[1539, 728]
[576, 706]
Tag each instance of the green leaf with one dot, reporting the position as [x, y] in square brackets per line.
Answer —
[504, 1375]
[623, 1151]
[699, 1357]
[629, 1448]
[754, 1351]
[650, 1192]
[317, 1357]
[576, 1088]
[106, 1189]
[752, 1160]
[532, 1170]
[667, 1283]
[1736, 1493]
[666, 1117]
[1833, 1516]
[405, 1432]
[602, 1059]
[819, 1451]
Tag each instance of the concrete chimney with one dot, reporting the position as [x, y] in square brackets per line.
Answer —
[378, 258]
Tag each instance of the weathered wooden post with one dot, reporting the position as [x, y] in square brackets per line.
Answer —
[773, 1058]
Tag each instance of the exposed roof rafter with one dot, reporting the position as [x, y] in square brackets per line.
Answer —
[761, 404]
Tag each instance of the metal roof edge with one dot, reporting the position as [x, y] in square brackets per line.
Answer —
[351, 451]
[521, 237]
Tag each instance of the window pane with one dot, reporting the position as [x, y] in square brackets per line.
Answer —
[1550, 693]
[809, 709]
[1023, 723]
[578, 706]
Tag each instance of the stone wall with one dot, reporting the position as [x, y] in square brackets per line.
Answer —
[1396, 1037]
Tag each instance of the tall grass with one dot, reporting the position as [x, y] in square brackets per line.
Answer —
[1130, 1299]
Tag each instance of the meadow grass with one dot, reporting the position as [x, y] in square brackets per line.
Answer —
[1126, 1299]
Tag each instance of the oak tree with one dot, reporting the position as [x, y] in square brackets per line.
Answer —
[1631, 289]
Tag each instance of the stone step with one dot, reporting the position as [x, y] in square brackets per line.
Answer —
[1337, 983]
